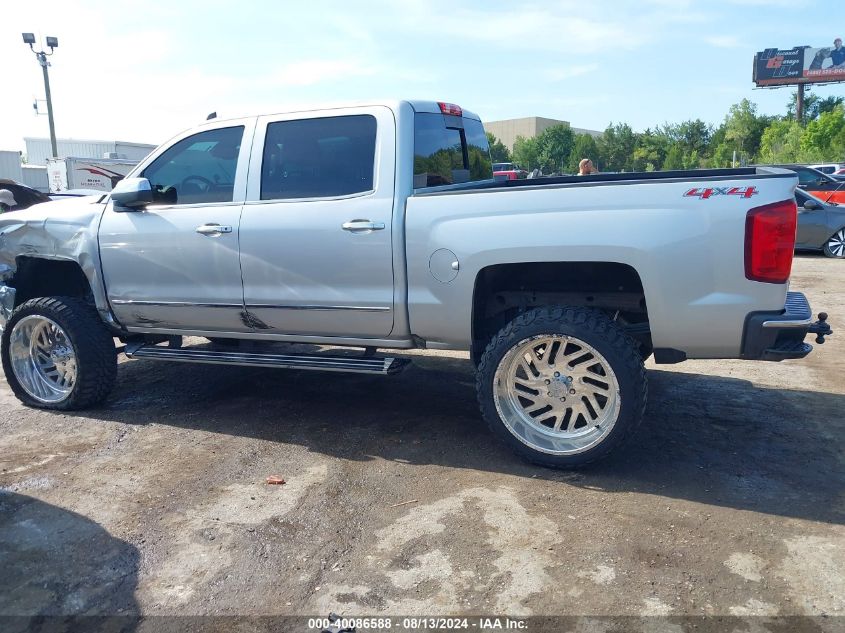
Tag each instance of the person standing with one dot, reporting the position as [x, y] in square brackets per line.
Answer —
[586, 167]
[7, 200]
[837, 55]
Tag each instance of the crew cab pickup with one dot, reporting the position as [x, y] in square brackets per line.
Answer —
[381, 226]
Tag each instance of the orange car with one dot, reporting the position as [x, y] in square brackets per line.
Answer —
[821, 185]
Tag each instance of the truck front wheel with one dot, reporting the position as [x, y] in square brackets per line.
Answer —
[57, 354]
[562, 386]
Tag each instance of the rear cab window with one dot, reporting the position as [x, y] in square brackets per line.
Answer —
[319, 158]
[449, 150]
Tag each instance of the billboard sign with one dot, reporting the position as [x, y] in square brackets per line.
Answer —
[800, 65]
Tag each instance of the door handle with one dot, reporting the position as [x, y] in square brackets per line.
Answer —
[359, 226]
[213, 229]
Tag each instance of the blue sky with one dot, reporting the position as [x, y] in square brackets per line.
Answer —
[144, 71]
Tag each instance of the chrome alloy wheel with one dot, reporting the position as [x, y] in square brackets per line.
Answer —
[556, 394]
[42, 358]
[836, 244]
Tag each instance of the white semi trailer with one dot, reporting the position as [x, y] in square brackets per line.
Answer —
[99, 174]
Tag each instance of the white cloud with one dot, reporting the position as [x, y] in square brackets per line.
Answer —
[569, 72]
[724, 41]
[313, 71]
[563, 27]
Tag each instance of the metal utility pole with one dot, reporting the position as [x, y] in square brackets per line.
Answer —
[41, 56]
[799, 104]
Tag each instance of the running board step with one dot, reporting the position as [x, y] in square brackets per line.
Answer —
[350, 364]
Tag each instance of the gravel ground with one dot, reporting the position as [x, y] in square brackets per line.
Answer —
[729, 500]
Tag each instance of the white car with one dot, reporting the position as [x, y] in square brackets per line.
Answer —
[829, 168]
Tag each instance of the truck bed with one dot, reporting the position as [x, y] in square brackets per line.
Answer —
[682, 233]
[637, 177]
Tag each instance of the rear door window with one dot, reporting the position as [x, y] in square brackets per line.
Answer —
[449, 150]
[319, 158]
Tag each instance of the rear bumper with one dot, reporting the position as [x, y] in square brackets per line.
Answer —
[7, 304]
[777, 336]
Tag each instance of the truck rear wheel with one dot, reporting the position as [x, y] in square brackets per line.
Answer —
[562, 386]
[57, 354]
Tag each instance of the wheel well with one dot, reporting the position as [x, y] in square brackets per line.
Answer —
[832, 234]
[506, 290]
[37, 277]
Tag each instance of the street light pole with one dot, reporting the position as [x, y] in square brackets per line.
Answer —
[42, 59]
[41, 56]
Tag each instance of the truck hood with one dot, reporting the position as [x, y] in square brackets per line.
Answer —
[62, 229]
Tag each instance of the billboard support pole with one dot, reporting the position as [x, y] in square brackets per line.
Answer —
[799, 104]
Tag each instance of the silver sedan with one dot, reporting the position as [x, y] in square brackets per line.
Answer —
[821, 226]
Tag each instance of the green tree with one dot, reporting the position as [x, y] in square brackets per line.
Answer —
[817, 143]
[555, 146]
[744, 129]
[722, 155]
[652, 146]
[498, 150]
[828, 104]
[811, 106]
[617, 145]
[585, 146]
[740, 123]
[837, 146]
[526, 152]
[814, 106]
[675, 157]
[692, 135]
[692, 160]
[781, 142]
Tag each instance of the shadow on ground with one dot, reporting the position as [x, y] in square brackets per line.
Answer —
[57, 564]
[705, 438]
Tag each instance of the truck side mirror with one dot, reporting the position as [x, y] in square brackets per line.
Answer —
[132, 194]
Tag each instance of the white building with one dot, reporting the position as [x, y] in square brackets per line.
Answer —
[38, 150]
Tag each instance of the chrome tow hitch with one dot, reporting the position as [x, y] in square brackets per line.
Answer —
[820, 328]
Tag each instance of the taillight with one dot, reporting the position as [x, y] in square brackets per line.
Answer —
[450, 108]
[770, 241]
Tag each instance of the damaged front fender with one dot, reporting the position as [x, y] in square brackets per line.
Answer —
[63, 230]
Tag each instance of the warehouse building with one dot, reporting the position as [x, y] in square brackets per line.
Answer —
[38, 150]
[508, 130]
[34, 172]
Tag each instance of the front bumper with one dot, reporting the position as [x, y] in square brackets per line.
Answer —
[780, 335]
[7, 304]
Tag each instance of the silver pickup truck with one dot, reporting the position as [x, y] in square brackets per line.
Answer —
[381, 226]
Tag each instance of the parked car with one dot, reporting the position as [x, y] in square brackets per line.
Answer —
[828, 168]
[25, 196]
[381, 226]
[821, 225]
[822, 186]
[509, 171]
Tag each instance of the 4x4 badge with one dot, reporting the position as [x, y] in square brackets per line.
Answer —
[709, 192]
